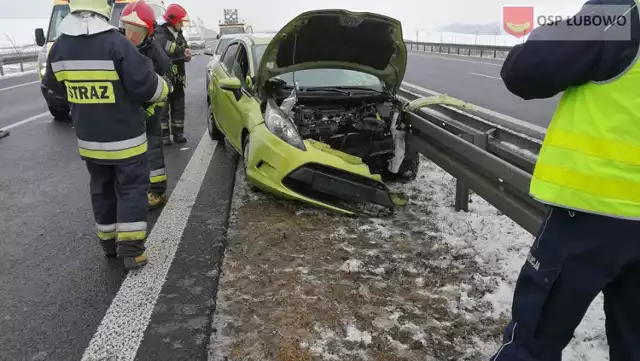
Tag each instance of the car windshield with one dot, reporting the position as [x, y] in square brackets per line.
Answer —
[61, 11]
[231, 30]
[222, 43]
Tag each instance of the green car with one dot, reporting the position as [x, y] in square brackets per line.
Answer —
[313, 111]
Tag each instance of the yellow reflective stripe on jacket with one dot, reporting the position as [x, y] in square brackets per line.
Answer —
[618, 151]
[157, 176]
[84, 70]
[162, 90]
[170, 47]
[113, 150]
[83, 75]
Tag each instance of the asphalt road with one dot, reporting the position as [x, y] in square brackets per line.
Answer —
[476, 80]
[60, 299]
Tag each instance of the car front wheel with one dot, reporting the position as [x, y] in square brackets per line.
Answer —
[214, 132]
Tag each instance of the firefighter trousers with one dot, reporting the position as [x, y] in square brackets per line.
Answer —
[119, 201]
[575, 257]
[174, 113]
[157, 175]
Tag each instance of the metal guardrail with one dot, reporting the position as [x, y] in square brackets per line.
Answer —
[17, 55]
[492, 161]
[493, 51]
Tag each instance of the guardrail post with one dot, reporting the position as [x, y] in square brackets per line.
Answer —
[21, 66]
[462, 191]
[1, 70]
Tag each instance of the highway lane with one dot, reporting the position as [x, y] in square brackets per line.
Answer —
[476, 80]
[21, 100]
[6, 82]
[55, 286]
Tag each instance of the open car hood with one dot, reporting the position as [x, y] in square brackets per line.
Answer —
[339, 39]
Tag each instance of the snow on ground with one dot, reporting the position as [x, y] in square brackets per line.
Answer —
[12, 70]
[427, 284]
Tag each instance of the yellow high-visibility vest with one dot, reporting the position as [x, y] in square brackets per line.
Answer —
[590, 157]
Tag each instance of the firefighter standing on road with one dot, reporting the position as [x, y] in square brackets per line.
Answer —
[588, 173]
[170, 38]
[106, 81]
[138, 22]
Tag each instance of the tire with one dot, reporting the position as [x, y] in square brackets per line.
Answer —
[214, 132]
[60, 114]
[245, 158]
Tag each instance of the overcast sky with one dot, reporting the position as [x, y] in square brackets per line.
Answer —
[271, 15]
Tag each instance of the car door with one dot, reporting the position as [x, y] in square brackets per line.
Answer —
[219, 101]
[241, 108]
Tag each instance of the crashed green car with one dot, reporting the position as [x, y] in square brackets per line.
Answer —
[313, 110]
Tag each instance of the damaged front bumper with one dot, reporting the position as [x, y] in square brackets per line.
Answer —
[320, 175]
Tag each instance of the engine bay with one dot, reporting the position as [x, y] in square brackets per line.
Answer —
[362, 130]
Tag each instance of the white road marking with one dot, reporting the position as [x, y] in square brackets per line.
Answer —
[486, 76]
[444, 56]
[535, 128]
[18, 86]
[25, 121]
[122, 329]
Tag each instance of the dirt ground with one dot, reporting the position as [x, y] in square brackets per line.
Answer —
[301, 284]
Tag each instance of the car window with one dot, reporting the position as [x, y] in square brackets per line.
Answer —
[332, 77]
[229, 57]
[258, 52]
[241, 66]
[59, 12]
[221, 45]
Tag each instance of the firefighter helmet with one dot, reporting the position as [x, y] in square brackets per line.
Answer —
[139, 13]
[175, 14]
[100, 7]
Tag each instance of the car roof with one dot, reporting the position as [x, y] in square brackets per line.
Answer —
[253, 38]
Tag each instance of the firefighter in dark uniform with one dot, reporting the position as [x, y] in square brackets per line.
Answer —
[138, 23]
[588, 173]
[169, 36]
[106, 81]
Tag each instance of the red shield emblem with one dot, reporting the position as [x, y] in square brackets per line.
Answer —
[517, 20]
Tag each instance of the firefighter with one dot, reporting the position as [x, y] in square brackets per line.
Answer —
[138, 23]
[106, 81]
[588, 174]
[170, 38]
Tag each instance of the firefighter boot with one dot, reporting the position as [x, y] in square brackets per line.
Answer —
[109, 247]
[166, 140]
[156, 200]
[179, 138]
[131, 263]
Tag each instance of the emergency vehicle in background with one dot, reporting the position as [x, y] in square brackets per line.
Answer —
[232, 25]
[58, 105]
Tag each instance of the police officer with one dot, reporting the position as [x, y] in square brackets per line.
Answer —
[138, 23]
[170, 38]
[588, 173]
[106, 81]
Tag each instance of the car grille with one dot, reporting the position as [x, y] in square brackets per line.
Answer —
[340, 189]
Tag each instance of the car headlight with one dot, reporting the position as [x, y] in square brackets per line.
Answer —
[42, 64]
[282, 126]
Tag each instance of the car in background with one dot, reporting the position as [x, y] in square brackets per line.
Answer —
[57, 104]
[195, 41]
[314, 117]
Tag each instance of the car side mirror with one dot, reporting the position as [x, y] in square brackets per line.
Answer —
[40, 39]
[249, 82]
[230, 84]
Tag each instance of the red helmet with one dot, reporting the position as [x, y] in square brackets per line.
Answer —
[139, 13]
[174, 14]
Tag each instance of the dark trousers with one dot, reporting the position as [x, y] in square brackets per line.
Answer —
[119, 200]
[174, 114]
[157, 175]
[575, 257]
